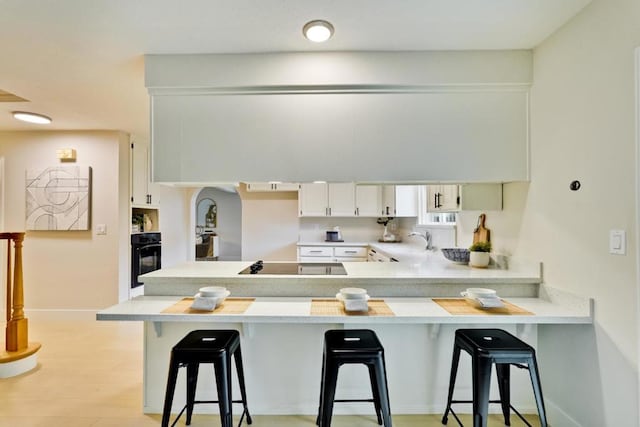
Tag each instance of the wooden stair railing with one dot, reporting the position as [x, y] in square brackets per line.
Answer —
[17, 335]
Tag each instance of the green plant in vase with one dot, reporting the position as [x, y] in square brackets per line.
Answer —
[479, 254]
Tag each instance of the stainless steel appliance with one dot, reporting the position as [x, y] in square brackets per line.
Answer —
[146, 255]
[296, 268]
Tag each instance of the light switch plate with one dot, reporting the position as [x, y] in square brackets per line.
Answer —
[101, 228]
[617, 242]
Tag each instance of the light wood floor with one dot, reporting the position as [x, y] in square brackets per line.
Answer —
[89, 374]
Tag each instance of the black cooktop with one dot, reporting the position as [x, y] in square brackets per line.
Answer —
[296, 268]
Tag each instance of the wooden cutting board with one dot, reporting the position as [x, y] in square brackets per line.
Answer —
[481, 233]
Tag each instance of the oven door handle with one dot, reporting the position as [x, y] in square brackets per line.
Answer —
[152, 245]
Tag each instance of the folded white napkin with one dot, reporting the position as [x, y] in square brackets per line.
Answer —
[356, 305]
[204, 303]
[490, 302]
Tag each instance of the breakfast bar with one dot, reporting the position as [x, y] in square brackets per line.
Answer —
[282, 320]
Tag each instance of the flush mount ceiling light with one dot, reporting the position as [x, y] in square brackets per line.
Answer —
[31, 117]
[318, 31]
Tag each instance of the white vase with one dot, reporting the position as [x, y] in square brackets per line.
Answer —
[479, 259]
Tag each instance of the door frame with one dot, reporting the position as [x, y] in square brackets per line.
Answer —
[637, 206]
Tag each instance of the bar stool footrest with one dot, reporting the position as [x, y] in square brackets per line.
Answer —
[515, 411]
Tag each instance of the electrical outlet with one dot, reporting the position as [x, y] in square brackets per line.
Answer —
[101, 229]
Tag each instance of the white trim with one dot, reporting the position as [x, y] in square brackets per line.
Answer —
[637, 207]
[17, 367]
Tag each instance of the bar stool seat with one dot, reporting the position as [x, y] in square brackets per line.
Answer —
[353, 346]
[487, 347]
[207, 346]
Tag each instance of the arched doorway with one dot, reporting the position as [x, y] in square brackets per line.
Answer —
[218, 215]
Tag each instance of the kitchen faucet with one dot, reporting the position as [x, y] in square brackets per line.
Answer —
[426, 236]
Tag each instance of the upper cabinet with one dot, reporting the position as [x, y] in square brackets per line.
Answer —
[349, 200]
[368, 200]
[399, 200]
[143, 191]
[272, 186]
[370, 117]
[452, 198]
[323, 199]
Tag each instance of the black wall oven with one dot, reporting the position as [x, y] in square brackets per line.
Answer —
[146, 254]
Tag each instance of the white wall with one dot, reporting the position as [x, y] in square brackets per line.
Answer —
[269, 225]
[71, 269]
[582, 127]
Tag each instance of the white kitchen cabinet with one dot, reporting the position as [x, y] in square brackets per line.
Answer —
[272, 186]
[368, 200]
[399, 200]
[143, 191]
[332, 253]
[342, 199]
[322, 199]
[313, 199]
[442, 198]
[465, 197]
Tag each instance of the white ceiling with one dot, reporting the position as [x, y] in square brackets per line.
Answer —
[81, 61]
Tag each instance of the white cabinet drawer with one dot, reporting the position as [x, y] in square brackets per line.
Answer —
[350, 251]
[349, 259]
[315, 251]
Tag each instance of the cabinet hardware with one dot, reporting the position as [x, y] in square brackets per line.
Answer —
[315, 252]
[350, 252]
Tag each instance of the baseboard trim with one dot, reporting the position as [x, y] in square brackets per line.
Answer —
[557, 417]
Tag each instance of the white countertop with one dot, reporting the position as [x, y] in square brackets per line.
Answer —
[554, 307]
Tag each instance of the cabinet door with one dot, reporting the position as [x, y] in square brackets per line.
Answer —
[313, 200]
[286, 186]
[139, 174]
[272, 186]
[259, 186]
[407, 200]
[342, 199]
[450, 198]
[442, 198]
[368, 200]
[388, 200]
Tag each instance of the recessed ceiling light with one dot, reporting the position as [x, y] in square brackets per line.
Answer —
[32, 117]
[318, 31]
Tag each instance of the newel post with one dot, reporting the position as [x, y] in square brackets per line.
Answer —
[17, 336]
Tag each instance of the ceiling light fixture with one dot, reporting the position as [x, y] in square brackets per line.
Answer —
[32, 117]
[318, 31]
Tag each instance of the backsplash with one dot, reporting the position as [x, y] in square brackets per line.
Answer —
[353, 229]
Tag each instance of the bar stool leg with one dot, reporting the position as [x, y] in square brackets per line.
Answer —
[192, 381]
[243, 392]
[328, 392]
[223, 384]
[321, 389]
[504, 378]
[537, 390]
[452, 381]
[381, 380]
[168, 396]
[375, 391]
[481, 367]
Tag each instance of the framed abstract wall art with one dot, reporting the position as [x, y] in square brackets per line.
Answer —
[58, 198]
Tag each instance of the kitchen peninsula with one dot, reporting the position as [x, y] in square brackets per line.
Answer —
[282, 337]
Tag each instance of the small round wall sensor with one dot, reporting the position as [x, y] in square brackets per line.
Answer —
[575, 185]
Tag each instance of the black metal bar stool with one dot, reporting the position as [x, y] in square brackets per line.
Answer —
[486, 347]
[207, 346]
[353, 346]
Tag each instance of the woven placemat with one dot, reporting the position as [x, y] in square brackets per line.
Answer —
[461, 306]
[228, 306]
[333, 307]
